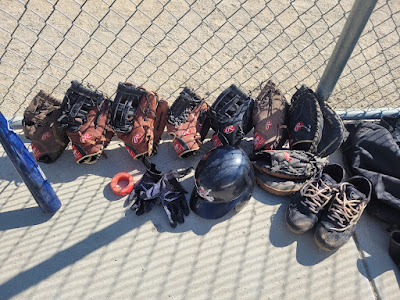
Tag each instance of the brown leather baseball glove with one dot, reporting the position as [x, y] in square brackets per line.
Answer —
[84, 116]
[188, 122]
[269, 118]
[283, 172]
[138, 117]
[40, 125]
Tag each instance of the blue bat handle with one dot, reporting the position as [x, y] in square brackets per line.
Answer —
[28, 169]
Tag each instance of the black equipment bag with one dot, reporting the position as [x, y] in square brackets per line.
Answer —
[373, 152]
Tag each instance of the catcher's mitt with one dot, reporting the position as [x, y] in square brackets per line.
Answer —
[305, 121]
[138, 117]
[269, 118]
[332, 133]
[188, 122]
[231, 116]
[42, 128]
[84, 118]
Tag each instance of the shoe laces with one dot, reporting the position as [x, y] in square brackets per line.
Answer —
[343, 211]
[316, 195]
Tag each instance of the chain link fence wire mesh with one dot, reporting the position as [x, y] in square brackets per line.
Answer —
[205, 44]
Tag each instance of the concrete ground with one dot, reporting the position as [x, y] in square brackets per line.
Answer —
[94, 247]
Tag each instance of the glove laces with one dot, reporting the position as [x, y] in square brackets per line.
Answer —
[147, 109]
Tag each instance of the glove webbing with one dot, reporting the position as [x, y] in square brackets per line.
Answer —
[123, 113]
[268, 92]
[230, 107]
[181, 108]
[102, 108]
[303, 91]
[74, 115]
[42, 106]
[77, 103]
[146, 110]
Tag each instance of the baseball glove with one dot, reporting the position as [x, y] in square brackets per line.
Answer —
[42, 128]
[276, 185]
[332, 133]
[138, 117]
[269, 118]
[231, 116]
[188, 122]
[305, 121]
[84, 116]
[287, 164]
[283, 172]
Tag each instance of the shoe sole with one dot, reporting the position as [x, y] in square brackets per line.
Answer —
[292, 229]
[322, 247]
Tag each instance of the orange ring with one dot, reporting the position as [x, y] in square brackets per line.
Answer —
[119, 190]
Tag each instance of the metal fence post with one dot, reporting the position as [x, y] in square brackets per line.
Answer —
[358, 17]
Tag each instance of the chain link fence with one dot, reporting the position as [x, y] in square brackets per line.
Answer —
[204, 44]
